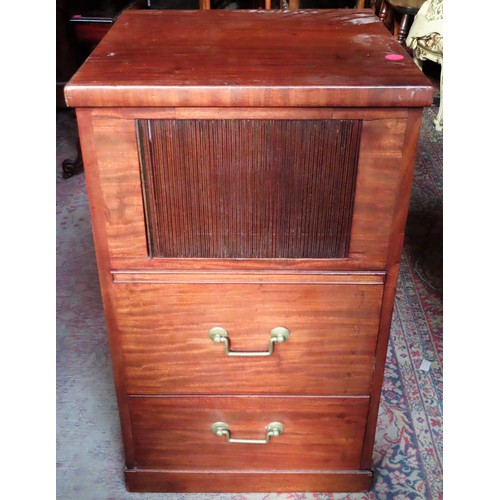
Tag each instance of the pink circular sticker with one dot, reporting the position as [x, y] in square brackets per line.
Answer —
[394, 57]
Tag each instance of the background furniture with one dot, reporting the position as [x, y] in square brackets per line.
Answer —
[67, 61]
[80, 27]
[397, 15]
[329, 4]
[426, 40]
[81, 24]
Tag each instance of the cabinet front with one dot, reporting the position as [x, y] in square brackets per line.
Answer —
[295, 190]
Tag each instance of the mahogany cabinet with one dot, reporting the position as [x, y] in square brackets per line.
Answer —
[249, 174]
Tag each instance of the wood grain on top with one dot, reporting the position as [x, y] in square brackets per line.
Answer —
[248, 58]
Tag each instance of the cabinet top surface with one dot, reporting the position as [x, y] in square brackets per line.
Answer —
[342, 57]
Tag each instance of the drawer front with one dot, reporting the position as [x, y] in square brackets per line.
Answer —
[317, 433]
[164, 331]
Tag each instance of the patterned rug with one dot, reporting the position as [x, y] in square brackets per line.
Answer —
[408, 449]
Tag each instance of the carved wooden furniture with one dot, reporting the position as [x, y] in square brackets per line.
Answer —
[297, 4]
[249, 191]
[426, 40]
[399, 15]
[81, 26]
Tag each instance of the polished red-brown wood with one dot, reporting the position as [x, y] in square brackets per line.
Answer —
[250, 58]
[90, 33]
[163, 328]
[392, 265]
[140, 480]
[274, 276]
[319, 433]
[89, 152]
[379, 164]
[324, 382]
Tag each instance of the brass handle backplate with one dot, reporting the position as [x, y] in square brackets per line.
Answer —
[274, 429]
[277, 335]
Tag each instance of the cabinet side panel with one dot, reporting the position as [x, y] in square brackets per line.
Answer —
[249, 188]
[402, 192]
[380, 160]
[90, 154]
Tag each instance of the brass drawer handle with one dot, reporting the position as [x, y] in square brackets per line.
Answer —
[274, 429]
[278, 335]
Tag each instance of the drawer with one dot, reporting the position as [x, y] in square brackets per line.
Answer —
[164, 332]
[317, 433]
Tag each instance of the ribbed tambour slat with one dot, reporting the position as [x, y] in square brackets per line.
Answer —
[249, 188]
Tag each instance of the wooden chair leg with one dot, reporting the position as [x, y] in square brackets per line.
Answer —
[403, 29]
[293, 4]
[383, 12]
[360, 4]
[73, 167]
[205, 4]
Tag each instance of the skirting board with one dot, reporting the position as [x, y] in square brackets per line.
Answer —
[141, 480]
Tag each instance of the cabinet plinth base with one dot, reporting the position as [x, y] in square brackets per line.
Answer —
[138, 480]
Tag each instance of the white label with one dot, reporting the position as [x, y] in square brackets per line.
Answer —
[425, 365]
